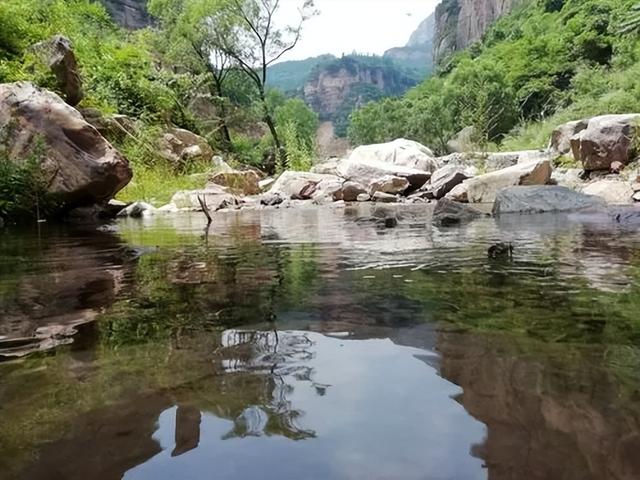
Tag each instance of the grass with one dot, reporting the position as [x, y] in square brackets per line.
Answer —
[157, 184]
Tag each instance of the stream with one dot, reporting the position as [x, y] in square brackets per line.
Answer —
[315, 343]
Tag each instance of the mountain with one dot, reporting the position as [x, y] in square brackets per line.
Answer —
[335, 88]
[417, 54]
[131, 14]
[459, 23]
[292, 75]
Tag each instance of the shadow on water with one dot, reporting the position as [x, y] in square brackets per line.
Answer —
[317, 343]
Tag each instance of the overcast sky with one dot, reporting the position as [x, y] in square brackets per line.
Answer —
[366, 26]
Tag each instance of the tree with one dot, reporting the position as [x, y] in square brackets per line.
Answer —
[246, 31]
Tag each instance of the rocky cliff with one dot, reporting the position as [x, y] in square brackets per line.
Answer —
[459, 23]
[131, 14]
[418, 52]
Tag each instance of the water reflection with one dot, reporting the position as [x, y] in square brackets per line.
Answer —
[318, 344]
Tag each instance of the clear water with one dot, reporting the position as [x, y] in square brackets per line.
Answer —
[318, 344]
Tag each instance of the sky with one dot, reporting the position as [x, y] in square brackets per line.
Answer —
[365, 26]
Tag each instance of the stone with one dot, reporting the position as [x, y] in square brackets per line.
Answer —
[112, 127]
[543, 198]
[636, 197]
[401, 152]
[57, 53]
[215, 196]
[328, 167]
[302, 185]
[80, 166]
[567, 177]
[444, 180]
[137, 210]
[220, 165]
[483, 188]
[384, 197]
[363, 197]
[635, 187]
[239, 182]
[271, 199]
[612, 191]
[459, 193]
[366, 172]
[352, 190]
[180, 146]
[389, 184]
[113, 207]
[616, 167]
[607, 139]
[448, 212]
[560, 142]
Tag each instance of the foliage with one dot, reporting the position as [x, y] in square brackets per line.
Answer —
[23, 189]
[548, 60]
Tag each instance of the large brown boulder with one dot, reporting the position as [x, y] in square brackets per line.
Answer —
[607, 139]
[57, 54]
[181, 146]
[560, 143]
[79, 165]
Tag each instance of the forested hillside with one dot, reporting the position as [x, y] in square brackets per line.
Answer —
[158, 79]
[547, 62]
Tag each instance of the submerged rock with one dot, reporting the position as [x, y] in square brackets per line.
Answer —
[137, 210]
[81, 167]
[483, 189]
[448, 212]
[539, 199]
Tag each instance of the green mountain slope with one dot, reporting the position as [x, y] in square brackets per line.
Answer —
[549, 60]
[292, 75]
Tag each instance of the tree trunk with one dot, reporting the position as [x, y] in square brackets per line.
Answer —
[281, 154]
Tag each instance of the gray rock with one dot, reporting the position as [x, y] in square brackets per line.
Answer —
[607, 139]
[560, 142]
[447, 213]
[137, 210]
[57, 53]
[302, 185]
[352, 190]
[636, 197]
[389, 184]
[363, 197]
[612, 191]
[180, 146]
[459, 193]
[543, 198]
[384, 197]
[401, 152]
[366, 172]
[483, 189]
[444, 180]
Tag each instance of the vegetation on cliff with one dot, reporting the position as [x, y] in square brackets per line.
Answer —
[549, 61]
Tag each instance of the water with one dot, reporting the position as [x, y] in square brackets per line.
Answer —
[317, 344]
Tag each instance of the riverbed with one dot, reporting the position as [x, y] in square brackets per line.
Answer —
[316, 343]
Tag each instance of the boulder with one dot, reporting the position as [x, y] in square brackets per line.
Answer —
[367, 172]
[606, 139]
[471, 162]
[636, 198]
[543, 198]
[389, 184]
[363, 197]
[181, 146]
[459, 193]
[560, 142]
[215, 196]
[302, 185]
[612, 191]
[447, 212]
[137, 210]
[112, 127]
[483, 189]
[352, 190]
[384, 197]
[406, 153]
[444, 180]
[328, 167]
[80, 166]
[57, 53]
[568, 177]
[238, 182]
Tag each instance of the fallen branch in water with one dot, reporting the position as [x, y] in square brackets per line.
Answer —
[203, 203]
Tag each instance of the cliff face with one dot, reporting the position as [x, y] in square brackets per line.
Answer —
[131, 14]
[418, 52]
[459, 23]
